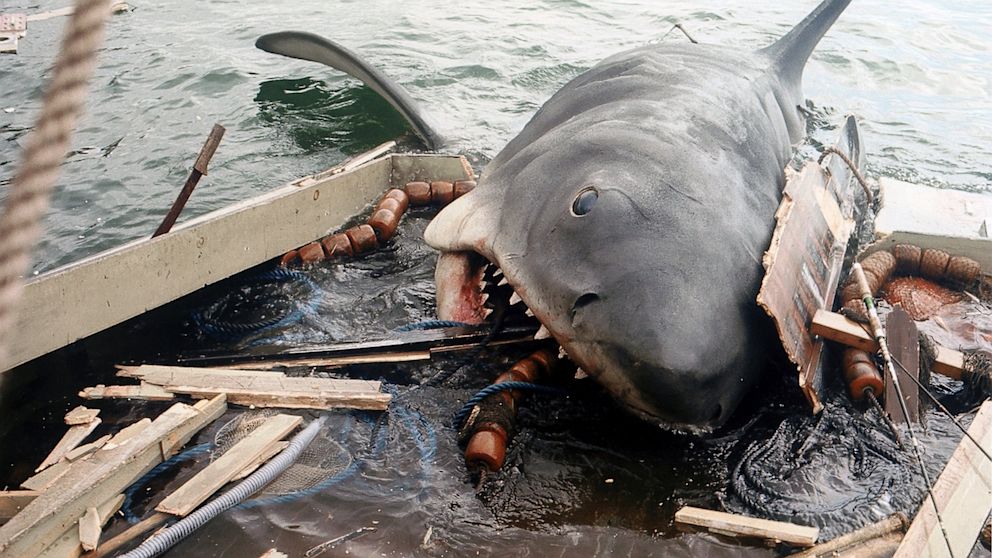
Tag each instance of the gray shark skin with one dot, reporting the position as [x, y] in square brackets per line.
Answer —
[631, 214]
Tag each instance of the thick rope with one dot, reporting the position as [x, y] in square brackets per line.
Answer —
[854, 169]
[45, 150]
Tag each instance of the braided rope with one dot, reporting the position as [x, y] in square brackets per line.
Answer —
[45, 150]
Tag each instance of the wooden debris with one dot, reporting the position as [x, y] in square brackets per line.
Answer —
[128, 432]
[81, 415]
[86, 449]
[46, 478]
[196, 490]
[852, 542]
[963, 493]
[904, 344]
[261, 459]
[835, 327]
[261, 388]
[13, 501]
[69, 544]
[146, 392]
[72, 438]
[740, 526]
[88, 481]
[89, 529]
[112, 545]
[273, 553]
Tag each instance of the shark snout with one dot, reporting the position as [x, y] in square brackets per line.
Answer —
[658, 363]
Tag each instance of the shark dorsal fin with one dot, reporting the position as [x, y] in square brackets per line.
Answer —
[789, 54]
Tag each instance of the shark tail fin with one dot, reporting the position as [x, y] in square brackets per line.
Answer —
[789, 54]
[307, 46]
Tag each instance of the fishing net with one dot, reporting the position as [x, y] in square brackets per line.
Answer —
[321, 460]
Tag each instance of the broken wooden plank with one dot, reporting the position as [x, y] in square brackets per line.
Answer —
[81, 415]
[69, 441]
[260, 460]
[215, 475]
[963, 493]
[113, 544]
[88, 481]
[895, 523]
[904, 345]
[220, 379]
[86, 449]
[13, 501]
[294, 400]
[835, 327]
[89, 529]
[46, 478]
[69, 544]
[738, 525]
[129, 432]
[804, 259]
[145, 392]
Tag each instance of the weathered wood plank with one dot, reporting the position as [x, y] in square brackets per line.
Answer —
[89, 529]
[68, 545]
[261, 459]
[88, 296]
[835, 327]
[294, 400]
[13, 501]
[215, 475]
[81, 415]
[129, 432]
[220, 379]
[86, 449]
[69, 441]
[46, 478]
[851, 542]
[145, 392]
[737, 525]
[904, 345]
[963, 493]
[88, 481]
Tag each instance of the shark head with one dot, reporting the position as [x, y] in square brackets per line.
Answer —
[599, 246]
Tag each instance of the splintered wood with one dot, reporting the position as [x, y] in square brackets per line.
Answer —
[52, 518]
[803, 262]
[249, 387]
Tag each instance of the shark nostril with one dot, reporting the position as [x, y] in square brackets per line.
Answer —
[717, 413]
[583, 301]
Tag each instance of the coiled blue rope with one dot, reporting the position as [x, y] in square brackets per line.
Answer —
[221, 328]
[462, 415]
[432, 324]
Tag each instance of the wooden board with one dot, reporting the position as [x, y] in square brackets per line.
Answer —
[69, 441]
[294, 399]
[803, 263]
[13, 501]
[88, 481]
[904, 345]
[835, 327]
[738, 525]
[89, 529]
[144, 392]
[81, 415]
[220, 379]
[88, 296]
[68, 545]
[242, 454]
[964, 495]
[260, 460]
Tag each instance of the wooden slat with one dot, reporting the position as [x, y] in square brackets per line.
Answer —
[129, 432]
[13, 501]
[294, 400]
[261, 459]
[69, 441]
[88, 481]
[86, 449]
[737, 525]
[113, 544]
[963, 493]
[81, 415]
[835, 327]
[220, 379]
[88, 296]
[852, 542]
[904, 344]
[89, 529]
[196, 490]
[46, 478]
[68, 545]
[145, 392]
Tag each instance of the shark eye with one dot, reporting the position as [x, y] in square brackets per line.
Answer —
[584, 201]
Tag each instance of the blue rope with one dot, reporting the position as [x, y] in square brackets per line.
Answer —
[152, 474]
[432, 324]
[219, 328]
[462, 415]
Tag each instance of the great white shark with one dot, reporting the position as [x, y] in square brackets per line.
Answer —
[631, 213]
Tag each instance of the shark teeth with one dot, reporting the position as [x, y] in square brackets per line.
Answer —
[580, 374]
[503, 281]
[515, 299]
[529, 312]
[542, 333]
[561, 353]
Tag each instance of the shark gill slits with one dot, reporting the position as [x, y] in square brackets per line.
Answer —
[584, 201]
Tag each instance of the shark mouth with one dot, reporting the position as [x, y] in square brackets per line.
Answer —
[472, 289]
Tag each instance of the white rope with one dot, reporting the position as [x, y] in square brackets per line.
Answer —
[44, 151]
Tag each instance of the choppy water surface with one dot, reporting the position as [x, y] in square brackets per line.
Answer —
[583, 478]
